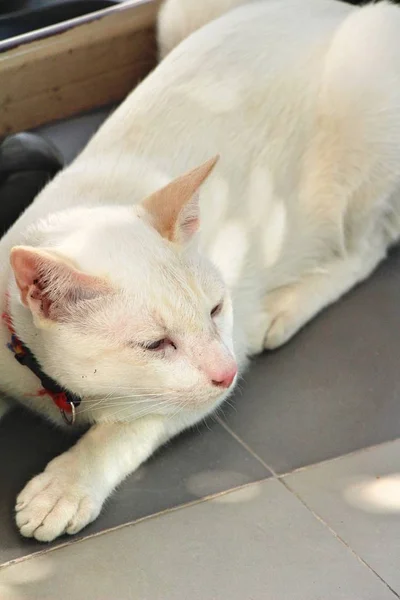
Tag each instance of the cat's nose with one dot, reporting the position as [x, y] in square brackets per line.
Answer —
[225, 379]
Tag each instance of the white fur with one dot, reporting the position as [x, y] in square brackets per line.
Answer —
[303, 106]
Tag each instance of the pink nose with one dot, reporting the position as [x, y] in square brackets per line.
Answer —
[225, 379]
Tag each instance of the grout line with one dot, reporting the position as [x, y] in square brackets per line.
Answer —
[337, 536]
[246, 447]
[305, 467]
[327, 461]
[155, 515]
[280, 478]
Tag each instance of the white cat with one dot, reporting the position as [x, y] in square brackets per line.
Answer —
[143, 305]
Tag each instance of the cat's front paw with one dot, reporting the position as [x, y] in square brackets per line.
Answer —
[286, 317]
[280, 331]
[55, 502]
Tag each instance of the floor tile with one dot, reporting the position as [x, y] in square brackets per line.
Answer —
[334, 388]
[258, 543]
[200, 462]
[359, 497]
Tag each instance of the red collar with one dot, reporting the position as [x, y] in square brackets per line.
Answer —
[66, 401]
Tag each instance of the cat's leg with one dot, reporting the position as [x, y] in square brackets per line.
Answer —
[349, 190]
[289, 308]
[71, 491]
[5, 406]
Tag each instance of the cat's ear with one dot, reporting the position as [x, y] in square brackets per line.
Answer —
[49, 285]
[174, 210]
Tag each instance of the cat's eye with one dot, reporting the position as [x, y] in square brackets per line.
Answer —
[157, 345]
[161, 344]
[216, 310]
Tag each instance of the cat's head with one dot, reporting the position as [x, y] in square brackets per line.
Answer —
[127, 313]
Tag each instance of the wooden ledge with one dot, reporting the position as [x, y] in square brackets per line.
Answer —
[76, 66]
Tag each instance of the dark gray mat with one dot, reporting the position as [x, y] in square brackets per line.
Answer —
[335, 387]
[204, 461]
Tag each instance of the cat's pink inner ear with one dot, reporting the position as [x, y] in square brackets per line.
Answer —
[48, 284]
[174, 210]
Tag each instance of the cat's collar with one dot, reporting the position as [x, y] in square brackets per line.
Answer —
[66, 401]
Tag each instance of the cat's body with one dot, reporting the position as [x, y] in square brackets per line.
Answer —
[302, 103]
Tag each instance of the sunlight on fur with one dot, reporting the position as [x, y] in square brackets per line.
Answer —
[215, 94]
[260, 186]
[233, 236]
[274, 233]
[219, 190]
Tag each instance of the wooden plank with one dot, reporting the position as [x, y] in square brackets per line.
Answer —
[88, 65]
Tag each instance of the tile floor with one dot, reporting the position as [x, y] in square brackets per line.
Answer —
[294, 494]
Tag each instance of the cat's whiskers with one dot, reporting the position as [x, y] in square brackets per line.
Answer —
[179, 408]
[136, 415]
[151, 405]
[128, 403]
[142, 397]
[129, 388]
[93, 403]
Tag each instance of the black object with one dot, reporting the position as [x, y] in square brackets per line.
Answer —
[32, 15]
[27, 163]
